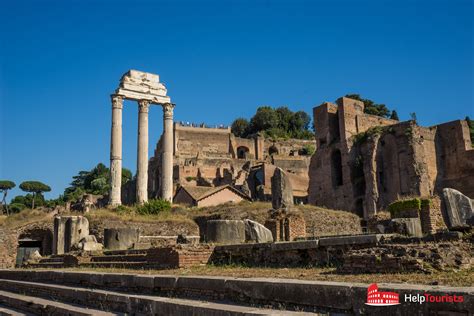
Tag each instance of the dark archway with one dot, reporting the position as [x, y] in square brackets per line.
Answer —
[273, 150]
[336, 164]
[30, 240]
[359, 208]
[242, 152]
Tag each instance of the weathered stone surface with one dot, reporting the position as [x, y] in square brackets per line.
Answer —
[282, 191]
[351, 240]
[256, 232]
[328, 297]
[226, 231]
[407, 226]
[89, 243]
[458, 209]
[68, 231]
[34, 256]
[120, 238]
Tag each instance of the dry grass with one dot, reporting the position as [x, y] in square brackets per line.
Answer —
[319, 221]
[452, 278]
[24, 217]
[130, 216]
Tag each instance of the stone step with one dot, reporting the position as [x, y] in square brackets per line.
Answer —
[52, 259]
[41, 306]
[46, 265]
[126, 252]
[115, 264]
[119, 258]
[134, 304]
[7, 311]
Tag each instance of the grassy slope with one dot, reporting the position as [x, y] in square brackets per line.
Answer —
[319, 221]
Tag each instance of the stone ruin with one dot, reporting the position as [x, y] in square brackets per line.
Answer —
[365, 162]
[213, 156]
[146, 89]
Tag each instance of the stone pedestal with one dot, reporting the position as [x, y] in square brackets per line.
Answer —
[116, 152]
[142, 152]
[68, 231]
[167, 157]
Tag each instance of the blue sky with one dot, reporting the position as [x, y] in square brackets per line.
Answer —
[60, 61]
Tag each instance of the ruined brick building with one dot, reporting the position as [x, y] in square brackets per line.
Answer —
[212, 157]
[364, 162]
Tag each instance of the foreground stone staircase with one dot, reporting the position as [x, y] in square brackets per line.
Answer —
[26, 298]
[62, 292]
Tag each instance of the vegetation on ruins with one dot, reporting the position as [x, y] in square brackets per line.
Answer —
[307, 150]
[95, 181]
[36, 188]
[274, 123]
[470, 123]
[394, 116]
[370, 107]
[6, 185]
[362, 137]
[406, 205]
[153, 207]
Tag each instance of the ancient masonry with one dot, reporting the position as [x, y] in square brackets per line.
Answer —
[364, 162]
[212, 157]
[146, 89]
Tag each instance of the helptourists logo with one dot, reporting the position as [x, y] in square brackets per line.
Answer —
[376, 298]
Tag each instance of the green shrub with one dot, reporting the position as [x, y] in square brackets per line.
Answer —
[189, 179]
[123, 210]
[404, 205]
[16, 207]
[362, 137]
[153, 207]
[307, 150]
[426, 203]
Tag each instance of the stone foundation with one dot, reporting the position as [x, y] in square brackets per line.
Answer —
[287, 229]
[421, 257]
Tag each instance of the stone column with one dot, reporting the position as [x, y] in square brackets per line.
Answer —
[116, 152]
[167, 157]
[142, 152]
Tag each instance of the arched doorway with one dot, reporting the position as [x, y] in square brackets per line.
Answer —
[273, 150]
[242, 152]
[34, 239]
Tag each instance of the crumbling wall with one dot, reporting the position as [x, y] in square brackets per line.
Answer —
[364, 162]
[8, 248]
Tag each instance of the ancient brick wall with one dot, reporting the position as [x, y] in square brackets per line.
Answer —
[8, 248]
[455, 157]
[179, 256]
[431, 217]
[373, 161]
[214, 156]
[287, 229]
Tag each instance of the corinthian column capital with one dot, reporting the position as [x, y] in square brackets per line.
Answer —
[117, 101]
[168, 110]
[143, 106]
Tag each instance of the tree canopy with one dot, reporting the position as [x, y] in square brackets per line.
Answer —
[6, 185]
[370, 107]
[35, 187]
[94, 181]
[276, 123]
